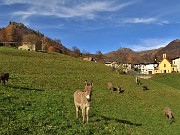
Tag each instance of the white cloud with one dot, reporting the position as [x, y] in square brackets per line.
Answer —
[88, 10]
[9, 2]
[140, 20]
[151, 20]
[163, 22]
[148, 44]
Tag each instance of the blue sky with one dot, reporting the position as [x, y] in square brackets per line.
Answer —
[93, 25]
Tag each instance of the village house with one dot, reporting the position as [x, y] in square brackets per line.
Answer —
[137, 66]
[165, 66]
[127, 67]
[176, 61]
[112, 64]
[89, 59]
[29, 46]
[146, 68]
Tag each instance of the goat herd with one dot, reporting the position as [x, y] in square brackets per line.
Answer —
[82, 98]
[119, 89]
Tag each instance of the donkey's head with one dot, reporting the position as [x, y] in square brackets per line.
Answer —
[88, 90]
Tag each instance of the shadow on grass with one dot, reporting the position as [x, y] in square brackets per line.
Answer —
[107, 119]
[121, 91]
[22, 88]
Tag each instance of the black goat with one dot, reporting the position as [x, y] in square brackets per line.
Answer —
[144, 87]
[4, 77]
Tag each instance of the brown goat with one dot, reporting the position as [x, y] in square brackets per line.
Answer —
[110, 86]
[4, 77]
[168, 113]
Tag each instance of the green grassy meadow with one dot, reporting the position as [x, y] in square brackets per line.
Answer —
[38, 99]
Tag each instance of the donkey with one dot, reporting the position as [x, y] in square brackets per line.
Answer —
[4, 77]
[82, 100]
[169, 114]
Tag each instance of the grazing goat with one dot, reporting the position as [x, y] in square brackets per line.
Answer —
[119, 89]
[138, 82]
[169, 114]
[82, 100]
[4, 77]
[110, 86]
[144, 87]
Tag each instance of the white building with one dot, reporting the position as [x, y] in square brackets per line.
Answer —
[126, 67]
[146, 68]
[112, 64]
[176, 61]
[149, 68]
[27, 46]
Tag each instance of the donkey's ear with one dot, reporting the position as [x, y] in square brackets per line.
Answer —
[86, 82]
[91, 83]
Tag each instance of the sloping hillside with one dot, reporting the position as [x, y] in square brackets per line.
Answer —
[38, 99]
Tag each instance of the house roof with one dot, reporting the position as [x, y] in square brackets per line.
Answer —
[175, 58]
[146, 63]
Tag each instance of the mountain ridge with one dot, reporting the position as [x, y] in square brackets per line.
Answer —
[172, 50]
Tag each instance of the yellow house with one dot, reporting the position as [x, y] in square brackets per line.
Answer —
[165, 66]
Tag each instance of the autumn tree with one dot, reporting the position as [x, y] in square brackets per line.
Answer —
[2, 35]
[46, 43]
[76, 51]
[130, 59]
[10, 34]
[99, 54]
[30, 38]
[51, 49]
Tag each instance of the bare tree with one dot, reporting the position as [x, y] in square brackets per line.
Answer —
[76, 51]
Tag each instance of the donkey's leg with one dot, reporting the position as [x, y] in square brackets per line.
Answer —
[77, 109]
[87, 114]
[83, 113]
[4, 81]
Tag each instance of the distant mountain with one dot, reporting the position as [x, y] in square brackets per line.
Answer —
[172, 50]
[121, 55]
[126, 55]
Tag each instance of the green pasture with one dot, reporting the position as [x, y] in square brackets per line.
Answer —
[172, 80]
[38, 99]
